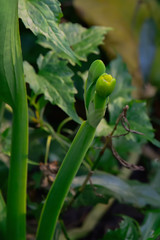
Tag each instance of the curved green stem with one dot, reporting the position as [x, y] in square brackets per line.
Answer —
[60, 188]
[66, 120]
[95, 102]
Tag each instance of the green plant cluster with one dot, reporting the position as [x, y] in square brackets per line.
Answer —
[85, 165]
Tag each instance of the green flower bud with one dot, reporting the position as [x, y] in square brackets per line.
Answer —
[105, 85]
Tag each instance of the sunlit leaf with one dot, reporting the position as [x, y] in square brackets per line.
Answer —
[42, 18]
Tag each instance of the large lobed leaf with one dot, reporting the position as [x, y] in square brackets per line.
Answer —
[54, 81]
[42, 18]
[83, 41]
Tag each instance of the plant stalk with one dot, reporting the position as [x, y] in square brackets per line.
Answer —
[13, 77]
[60, 187]
[16, 199]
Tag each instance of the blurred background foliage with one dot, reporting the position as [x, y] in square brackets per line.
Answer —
[135, 35]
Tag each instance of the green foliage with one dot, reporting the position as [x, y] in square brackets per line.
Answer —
[137, 115]
[82, 40]
[54, 81]
[6, 141]
[128, 230]
[107, 185]
[13, 92]
[150, 227]
[79, 39]
[3, 215]
[118, 69]
[96, 69]
[10, 53]
[67, 44]
[3, 174]
[137, 118]
[42, 18]
[66, 41]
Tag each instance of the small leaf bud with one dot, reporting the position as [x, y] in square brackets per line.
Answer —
[105, 85]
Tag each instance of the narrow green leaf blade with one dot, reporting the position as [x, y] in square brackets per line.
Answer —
[10, 54]
[42, 18]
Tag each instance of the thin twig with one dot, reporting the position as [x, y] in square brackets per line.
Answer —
[123, 114]
[125, 120]
[124, 163]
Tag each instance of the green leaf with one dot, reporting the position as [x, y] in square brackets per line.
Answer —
[11, 73]
[42, 18]
[123, 87]
[150, 227]
[137, 117]
[128, 230]
[82, 40]
[137, 114]
[156, 235]
[91, 195]
[3, 216]
[54, 81]
[139, 120]
[132, 192]
[121, 95]
[6, 141]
